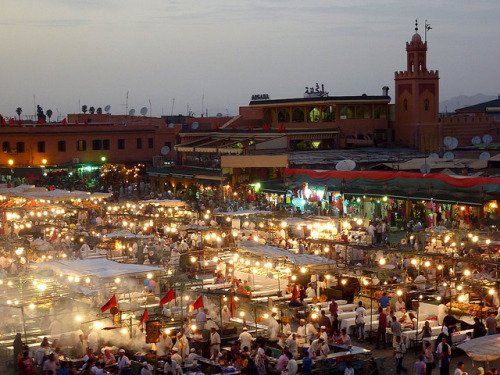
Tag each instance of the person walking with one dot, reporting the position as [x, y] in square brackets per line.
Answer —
[420, 366]
[399, 353]
[382, 328]
[444, 361]
[360, 321]
[428, 358]
[460, 369]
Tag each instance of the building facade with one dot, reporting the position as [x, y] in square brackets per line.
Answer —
[86, 138]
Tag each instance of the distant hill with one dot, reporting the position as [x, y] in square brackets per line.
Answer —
[463, 101]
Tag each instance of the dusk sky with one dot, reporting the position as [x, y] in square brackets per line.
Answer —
[94, 51]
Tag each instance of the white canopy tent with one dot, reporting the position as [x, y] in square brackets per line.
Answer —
[244, 213]
[126, 234]
[96, 267]
[33, 192]
[482, 349]
[165, 202]
[276, 252]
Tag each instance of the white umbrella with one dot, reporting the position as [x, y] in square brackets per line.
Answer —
[482, 349]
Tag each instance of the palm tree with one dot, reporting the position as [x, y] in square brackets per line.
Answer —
[49, 113]
[91, 110]
[19, 110]
[84, 108]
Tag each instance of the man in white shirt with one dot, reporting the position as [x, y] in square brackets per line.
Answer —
[439, 348]
[349, 370]
[122, 362]
[273, 326]
[319, 349]
[301, 330]
[360, 321]
[311, 331]
[246, 339]
[164, 345]
[310, 292]
[460, 369]
[214, 343]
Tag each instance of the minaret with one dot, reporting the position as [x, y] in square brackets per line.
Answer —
[417, 99]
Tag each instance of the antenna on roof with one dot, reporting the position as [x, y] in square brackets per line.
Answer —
[172, 110]
[150, 111]
[126, 103]
[427, 27]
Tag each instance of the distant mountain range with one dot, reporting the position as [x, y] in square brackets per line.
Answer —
[463, 101]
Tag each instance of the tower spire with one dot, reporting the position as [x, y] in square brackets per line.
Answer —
[416, 26]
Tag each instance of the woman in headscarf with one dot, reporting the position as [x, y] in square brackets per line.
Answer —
[261, 362]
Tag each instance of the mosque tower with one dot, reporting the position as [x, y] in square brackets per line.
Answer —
[417, 99]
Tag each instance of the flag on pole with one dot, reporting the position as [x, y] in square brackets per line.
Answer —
[198, 303]
[169, 296]
[144, 317]
[110, 304]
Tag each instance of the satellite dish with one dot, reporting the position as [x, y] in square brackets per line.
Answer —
[425, 168]
[107, 108]
[171, 125]
[434, 156]
[144, 111]
[476, 140]
[487, 139]
[131, 112]
[447, 141]
[219, 114]
[448, 156]
[345, 165]
[453, 143]
[195, 125]
[165, 150]
[484, 156]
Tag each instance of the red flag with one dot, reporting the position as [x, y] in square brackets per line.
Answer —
[198, 303]
[110, 304]
[170, 296]
[144, 317]
[232, 307]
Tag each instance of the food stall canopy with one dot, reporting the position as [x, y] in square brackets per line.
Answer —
[486, 348]
[33, 192]
[276, 252]
[165, 202]
[97, 267]
[126, 234]
[245, 213]
[411, 185]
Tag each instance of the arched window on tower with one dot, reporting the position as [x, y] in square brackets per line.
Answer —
[405, 105]
[426, 104]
